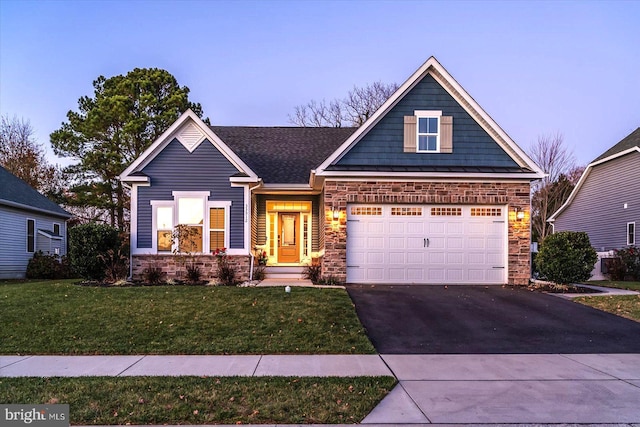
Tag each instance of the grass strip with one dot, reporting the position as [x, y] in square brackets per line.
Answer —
[622, 305]
[633, 286]
[63, 318]
[203, 400]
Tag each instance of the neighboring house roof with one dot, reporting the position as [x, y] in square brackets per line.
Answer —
[630, 141]
[16, 193]
[283, 155]
[527, 167]
[629, 144]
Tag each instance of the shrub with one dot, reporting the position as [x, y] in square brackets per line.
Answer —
[226, 272]
[312, 272]
[116, 265]
[630, 260]
[87, 242]
[566, 257]
[153, 275]
[43, 266]
[193, 273]
[615, 269]
[259, 272]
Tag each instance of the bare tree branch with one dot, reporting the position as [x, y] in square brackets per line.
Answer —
[550, 193]
[353, 110]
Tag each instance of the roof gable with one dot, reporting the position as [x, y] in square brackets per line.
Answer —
[190, 131]
[628, 145]
[17, 193]
[442, 89]
[629, 142]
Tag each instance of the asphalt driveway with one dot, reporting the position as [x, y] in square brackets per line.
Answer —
[486, 320]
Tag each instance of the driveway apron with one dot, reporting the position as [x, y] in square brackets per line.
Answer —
[415, 319]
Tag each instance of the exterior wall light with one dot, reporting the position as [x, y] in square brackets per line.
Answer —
[519, 213]
[335, 213]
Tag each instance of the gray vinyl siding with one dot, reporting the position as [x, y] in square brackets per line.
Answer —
[261, 202]
[384, 144]
[205, 169]
[598, 207]
[13, 243]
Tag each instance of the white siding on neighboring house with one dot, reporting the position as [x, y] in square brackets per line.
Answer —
[608, 199]
[13, 239]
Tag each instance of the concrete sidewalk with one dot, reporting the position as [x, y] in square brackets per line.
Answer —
[531, 389]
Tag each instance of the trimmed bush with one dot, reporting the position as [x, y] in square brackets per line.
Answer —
[566, 257]
[43, 266]
[630, 262]
[89, 246]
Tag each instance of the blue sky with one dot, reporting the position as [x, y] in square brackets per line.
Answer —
[536, 67]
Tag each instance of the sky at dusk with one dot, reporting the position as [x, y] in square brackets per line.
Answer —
[536, 67]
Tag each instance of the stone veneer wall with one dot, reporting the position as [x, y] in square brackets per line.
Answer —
[515, 194]
[174, 270]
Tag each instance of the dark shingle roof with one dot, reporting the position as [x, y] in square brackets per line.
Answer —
[15, 192]
[630, 141]
[283, 155]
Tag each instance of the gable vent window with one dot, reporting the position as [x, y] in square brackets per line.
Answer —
[428, 132]
[631, 233]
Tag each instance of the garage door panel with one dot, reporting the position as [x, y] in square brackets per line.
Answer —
[415, 257]
[477, 258]
[397, 257]
[396, 227]
[397, 274]
[425, 244]
[374, 258]
[476, 243]
[397, 243]
[375, 274]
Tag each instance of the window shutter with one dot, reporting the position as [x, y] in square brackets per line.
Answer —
[410, 134]
[446, 134]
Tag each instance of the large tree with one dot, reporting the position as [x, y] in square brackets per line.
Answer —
[112, 128]
[562, 174]
[353, 110]
[23, 156]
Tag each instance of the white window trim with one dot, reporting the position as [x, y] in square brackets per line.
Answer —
[629, 242]
[155, 204]
[204, 195]
[227, 221]
[26, 235]
[59, 228]
[425, 114]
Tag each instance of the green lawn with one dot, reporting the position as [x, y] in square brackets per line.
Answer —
[195, 400]
[622, 305]
[64, 318]
[634, 286]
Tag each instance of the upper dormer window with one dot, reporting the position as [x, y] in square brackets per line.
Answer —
[428, 131]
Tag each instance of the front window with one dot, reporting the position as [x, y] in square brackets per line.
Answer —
[31, 235]
[428, 127]
[164, 221]
[631, 233]
[216, 229]
[191, 218]
[56, 229]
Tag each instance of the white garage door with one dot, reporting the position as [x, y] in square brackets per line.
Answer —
[449, 244]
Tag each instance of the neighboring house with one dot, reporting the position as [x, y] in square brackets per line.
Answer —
[29, 222]
[428, 190]
[606, 201]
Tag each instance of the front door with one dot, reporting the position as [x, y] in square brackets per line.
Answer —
[288, 237]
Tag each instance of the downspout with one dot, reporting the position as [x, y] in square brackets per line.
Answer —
[250, 210]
